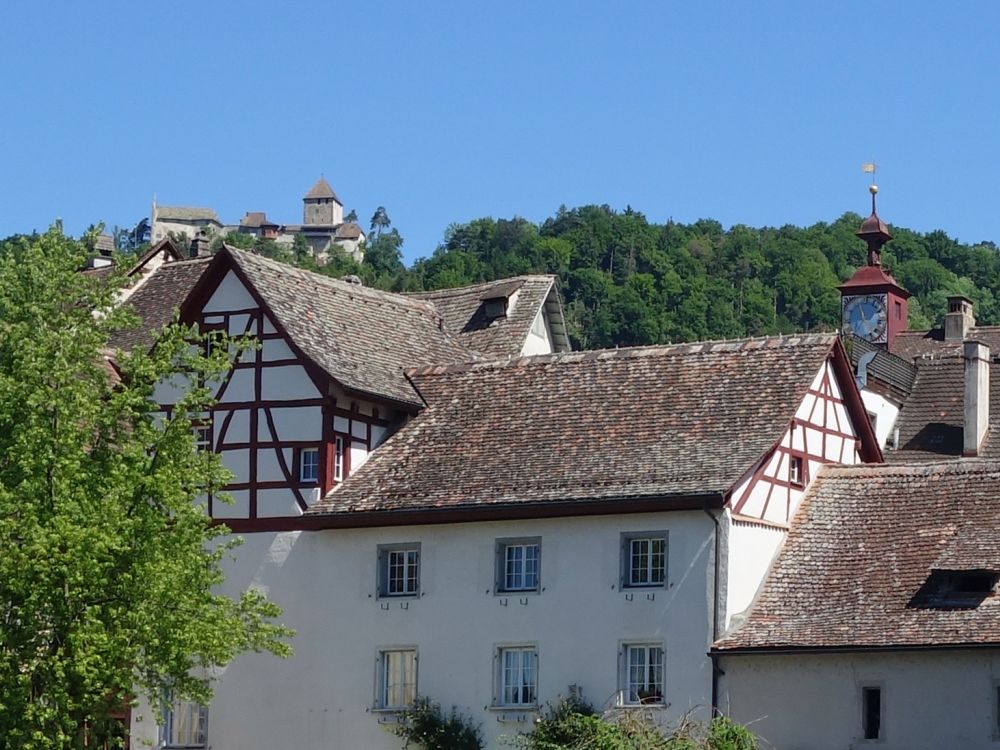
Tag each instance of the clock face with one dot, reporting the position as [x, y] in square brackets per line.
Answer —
[865, 315]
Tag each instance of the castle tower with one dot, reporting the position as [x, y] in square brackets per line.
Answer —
[321, 206]
[872, 303]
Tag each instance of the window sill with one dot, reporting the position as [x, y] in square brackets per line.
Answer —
[517, 592]
[515, 714]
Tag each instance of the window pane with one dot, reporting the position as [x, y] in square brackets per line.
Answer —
[644, 674]
[518, 681]
[185, 724]
[399, 678]
[520, 567]
[646, 564]
[401, 571]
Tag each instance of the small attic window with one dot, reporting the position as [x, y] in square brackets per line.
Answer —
[495, 307]
[961, 589]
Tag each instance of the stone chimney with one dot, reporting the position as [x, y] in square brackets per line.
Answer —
[958, 319]
[977, 396]
[199, 246]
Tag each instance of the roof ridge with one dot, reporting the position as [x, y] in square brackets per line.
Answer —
[961, 465]
[338, 285]
[470, 288]
[633, 352]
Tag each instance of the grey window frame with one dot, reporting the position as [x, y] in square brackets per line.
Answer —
[624, 681]
[500, 565]
[625, 574]
[499, 673]
[382, 680]
[863, 688]
[382, 584]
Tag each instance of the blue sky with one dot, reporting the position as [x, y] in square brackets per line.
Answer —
[755, 113]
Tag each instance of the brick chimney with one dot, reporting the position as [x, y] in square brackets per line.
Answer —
[959, 319]
[199, 246]
[977, 396]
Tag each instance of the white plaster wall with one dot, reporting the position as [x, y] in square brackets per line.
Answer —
[326, 582]
[885, 414]
[939, 700]
[539, 339]
[230, 295]
[752, 549]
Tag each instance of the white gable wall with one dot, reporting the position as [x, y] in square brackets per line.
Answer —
[539, 339]
[821, 432]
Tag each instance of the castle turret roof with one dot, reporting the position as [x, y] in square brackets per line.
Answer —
[320, 190]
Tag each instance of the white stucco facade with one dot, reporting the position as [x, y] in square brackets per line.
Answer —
[578, 622]
[930, 700]
[883, 413]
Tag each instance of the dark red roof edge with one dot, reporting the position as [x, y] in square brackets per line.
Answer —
[225, 261]
[869, 449]
[513, 511]
[789, 650]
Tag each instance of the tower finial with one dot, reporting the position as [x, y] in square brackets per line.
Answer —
[873, 230]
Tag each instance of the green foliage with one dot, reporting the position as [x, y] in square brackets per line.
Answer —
[428, 726]
[573, 724]
[110, 561]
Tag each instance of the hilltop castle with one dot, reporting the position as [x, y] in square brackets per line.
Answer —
[322, 226]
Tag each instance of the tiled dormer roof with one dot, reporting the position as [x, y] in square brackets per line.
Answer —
[658, 423]
[363, 338]
[465, 316]
[862, 548]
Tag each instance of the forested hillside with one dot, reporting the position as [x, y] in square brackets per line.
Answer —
[626, 281]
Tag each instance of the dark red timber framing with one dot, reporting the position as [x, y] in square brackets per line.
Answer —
[262, 433]
[824, 420]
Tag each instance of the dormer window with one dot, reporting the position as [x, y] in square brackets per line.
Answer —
[495, 308]
[959, 589]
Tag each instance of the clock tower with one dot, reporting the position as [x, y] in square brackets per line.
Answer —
[872, 303]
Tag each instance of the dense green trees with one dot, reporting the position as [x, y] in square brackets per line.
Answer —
[109, 562]
[626, 281]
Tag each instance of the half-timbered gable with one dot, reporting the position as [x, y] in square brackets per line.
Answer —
[320, 389]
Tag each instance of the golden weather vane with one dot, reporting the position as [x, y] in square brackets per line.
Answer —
[869, 168]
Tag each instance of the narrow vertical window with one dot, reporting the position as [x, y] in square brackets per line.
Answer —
[795, 473]
[185, 724]
[397, 680]
[309, 465]
[338, 459]
[871, 712]
[642, 674]
[203, 437]
[517, 676]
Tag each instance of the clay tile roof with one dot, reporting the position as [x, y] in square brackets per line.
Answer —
[931, 422]
[157, 299]
[185, 213]
[321, 189]
[913, 344]
[363, 338]
[255, 220]
[863, 548]
[348, 231]
[642, 423]
[463, 312]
